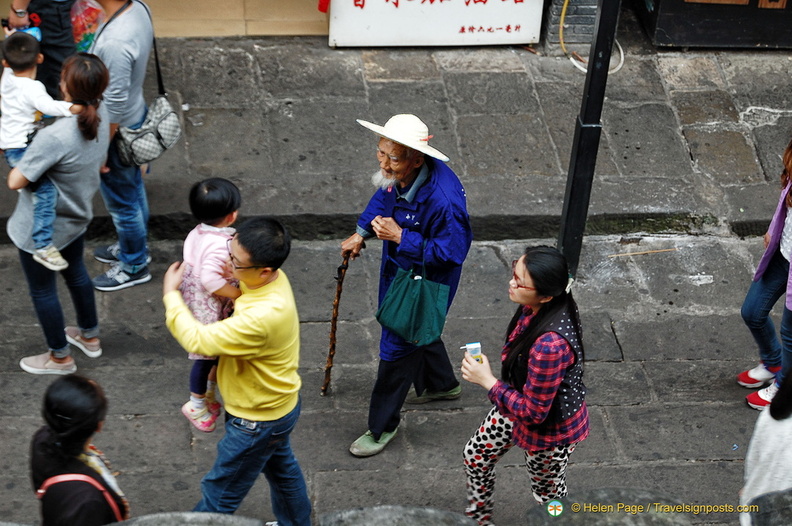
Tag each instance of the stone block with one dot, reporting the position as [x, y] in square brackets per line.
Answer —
[704, 107]
[757, 80]
[638, 149]
[308, 70]
[683, 71]
[507, 155]
[599, 447]
[651, 432]
[217, 74]
[346, 428]
[689, 482]
[616, 384]
[706, 149]
[491, 93]
[681, 337]
[491, 59]
[440, 488]
[599, 339]
[715, 379]
[394, 516]
[770, 138]
[561, 101]
[399, 65]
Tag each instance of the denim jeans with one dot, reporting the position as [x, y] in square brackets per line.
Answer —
[124, 196]
[42, 284]
[761, 297]
[247, 449]
[14, 155]
[45, 199]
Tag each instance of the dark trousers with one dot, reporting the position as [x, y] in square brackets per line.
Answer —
[57, 42]
[427, 367]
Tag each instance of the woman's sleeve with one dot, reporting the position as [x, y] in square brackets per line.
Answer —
[44, 152]
[551, 355]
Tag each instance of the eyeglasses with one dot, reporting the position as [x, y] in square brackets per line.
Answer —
[516, 280]
[234, 260]
[391, 158]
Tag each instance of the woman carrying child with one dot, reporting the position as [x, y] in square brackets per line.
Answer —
[69, 152]
[206, 287]
[539, 405]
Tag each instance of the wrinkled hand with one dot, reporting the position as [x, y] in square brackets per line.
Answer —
[387, 229]
[478, 373]
[352, 246]
[173, 278]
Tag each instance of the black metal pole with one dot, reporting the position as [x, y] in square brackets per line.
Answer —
[587, 135]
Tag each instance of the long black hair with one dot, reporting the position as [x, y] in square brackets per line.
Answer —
[550, 274]
[73, 408]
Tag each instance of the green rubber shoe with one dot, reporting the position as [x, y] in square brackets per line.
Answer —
[453, 394]
[366, 446]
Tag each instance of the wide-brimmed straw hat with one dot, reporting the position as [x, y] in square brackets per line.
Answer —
[408, 130]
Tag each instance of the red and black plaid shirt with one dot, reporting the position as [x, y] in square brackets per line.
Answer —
[550, 357]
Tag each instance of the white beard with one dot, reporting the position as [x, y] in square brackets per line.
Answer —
[380, 181]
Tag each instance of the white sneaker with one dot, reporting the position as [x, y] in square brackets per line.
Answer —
[762, 398]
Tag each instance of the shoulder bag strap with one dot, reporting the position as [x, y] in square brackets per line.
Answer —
[76, 477]
[160, 84]
[101, 29]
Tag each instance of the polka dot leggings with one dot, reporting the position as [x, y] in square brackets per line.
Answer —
[547, 468]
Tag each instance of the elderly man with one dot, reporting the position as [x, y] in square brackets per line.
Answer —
[419, 213]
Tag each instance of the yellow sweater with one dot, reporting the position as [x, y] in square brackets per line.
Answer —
[258, 346]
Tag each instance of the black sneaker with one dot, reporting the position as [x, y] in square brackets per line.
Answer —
[117, 278]
[109, 253]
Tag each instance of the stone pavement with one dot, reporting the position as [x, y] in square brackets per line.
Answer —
[664, 340]
[689, 161]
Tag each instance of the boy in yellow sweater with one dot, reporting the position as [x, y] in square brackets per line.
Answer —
[259, 351]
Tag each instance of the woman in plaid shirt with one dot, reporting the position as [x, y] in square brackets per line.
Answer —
[539, 404]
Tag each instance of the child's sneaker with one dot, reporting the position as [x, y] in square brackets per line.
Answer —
[202, 419]
[213, 405]
[51, 258]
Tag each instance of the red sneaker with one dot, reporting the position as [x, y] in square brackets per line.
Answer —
[759, 376]
[762, 398]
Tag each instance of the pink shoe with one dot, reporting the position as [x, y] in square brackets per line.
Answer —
[91, 347]
[213, 406]
[202, 419]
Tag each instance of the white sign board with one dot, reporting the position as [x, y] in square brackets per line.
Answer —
[434, 22]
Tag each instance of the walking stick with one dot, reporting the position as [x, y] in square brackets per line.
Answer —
[341, 272]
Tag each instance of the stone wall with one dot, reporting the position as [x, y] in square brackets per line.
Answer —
[578, 21]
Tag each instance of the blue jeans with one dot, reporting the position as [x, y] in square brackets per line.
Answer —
[124, 196]
[43, 287]
[761, 297]
[247, 449]
[45, 198]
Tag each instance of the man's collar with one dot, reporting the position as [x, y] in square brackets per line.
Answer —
[423, 175]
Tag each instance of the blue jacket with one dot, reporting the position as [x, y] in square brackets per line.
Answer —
[437, 215]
